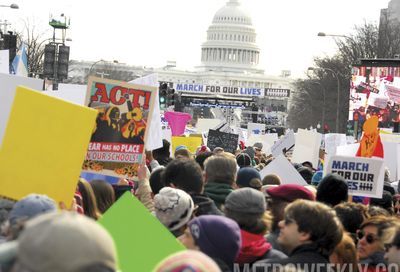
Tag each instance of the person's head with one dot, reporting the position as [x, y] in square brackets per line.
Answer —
[216, 236]
[220, 169]
[88, 199]
[201, 157]
[306, 173]
[345, 254]
[247, 207]
[271, 179]
[332, 190]
[280, 196]
[248, 177]
[65, 242]
[104, 193]
[156, 181]
[218, 150]
[308, 164]
[393, 250]
[258, 149]
[25, 209]
[351, 215]
[184, 174]
[243, 160]
[174, 208]
[376, 210]
[250, 151]
[162, 152]
[187, 260]
[385, 202]
[308, 222]
[374, 233]
[182, 152]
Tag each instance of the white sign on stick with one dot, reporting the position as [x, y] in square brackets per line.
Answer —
[204, 124]
[283, 144]
[332, 140]
[281, 167]
[255, 129]
[391, 158]
[347, 150]
[307, 147]
[70, 92]
[4, 62]
[364, 176]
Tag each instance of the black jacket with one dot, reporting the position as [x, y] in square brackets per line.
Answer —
[306, 257]
[206, 205]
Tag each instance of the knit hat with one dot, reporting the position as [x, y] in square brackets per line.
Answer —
[290, 192]
[202, 149]
[179, 147]
[248, 177]
[243, 160]
[31, 206]
[173, 207]
[217, 236]
[62, 242]
[187, 260]
[246, 200]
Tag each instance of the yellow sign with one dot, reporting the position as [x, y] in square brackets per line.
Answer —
[44, 146]
[192, 143]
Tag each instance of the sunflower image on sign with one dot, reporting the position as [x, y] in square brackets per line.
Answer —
[370, 144]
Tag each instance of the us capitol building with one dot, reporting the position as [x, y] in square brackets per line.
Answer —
[228, 77]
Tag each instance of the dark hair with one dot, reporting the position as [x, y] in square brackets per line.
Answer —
[185, 174]
[385, 202]
[319, 221]
[396, 239]
[306, 173]
[104, 194]
[88, 199]
[383, 224]
[351, 215]
[202, 157]
[183, 153]
[162, 152]
[332, 190]
[156, 181]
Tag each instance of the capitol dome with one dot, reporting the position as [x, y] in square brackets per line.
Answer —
[231, 41]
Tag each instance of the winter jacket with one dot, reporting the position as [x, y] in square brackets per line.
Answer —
[205, 205]
[217, 192]
[374, 263]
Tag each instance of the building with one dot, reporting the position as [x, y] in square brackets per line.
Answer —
[229, 77]
[389, 28]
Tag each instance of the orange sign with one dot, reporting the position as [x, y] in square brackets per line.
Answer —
[370, 144]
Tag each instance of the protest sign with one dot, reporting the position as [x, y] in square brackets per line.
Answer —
[141, 240]
[364, 176]
[284, 169]
[370, 143]
[70, 92]
[192, 143]
[332, 140]
[43, 142]
[284, 144]
[4, 62]
[255, 128]
[203, 124]
[228, 141]
[124, 112]
[10, 82]
[347, 150]
[154, 139]
[307, 147]
[391, 158]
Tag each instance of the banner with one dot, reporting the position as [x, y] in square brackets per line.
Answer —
[216, 89]
[124, 111]
[364, 176]
[284, 144]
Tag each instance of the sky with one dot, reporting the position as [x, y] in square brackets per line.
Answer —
[151, 32]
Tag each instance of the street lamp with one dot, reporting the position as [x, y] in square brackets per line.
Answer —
[96, 62]
[338, 92]
[323, 34]
[13, 6]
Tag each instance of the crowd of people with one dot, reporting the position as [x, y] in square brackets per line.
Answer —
[220, 208]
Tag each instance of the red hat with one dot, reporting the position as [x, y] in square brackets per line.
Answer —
[290, 192]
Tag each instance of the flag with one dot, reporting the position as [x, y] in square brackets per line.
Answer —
[19, 65]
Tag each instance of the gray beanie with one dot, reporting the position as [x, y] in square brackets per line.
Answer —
[246, 200]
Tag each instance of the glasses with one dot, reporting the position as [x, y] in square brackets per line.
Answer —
[370, 238]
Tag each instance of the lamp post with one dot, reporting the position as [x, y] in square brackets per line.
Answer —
[323, 95]
[338, 93]
[13, 6]
[96, 62]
